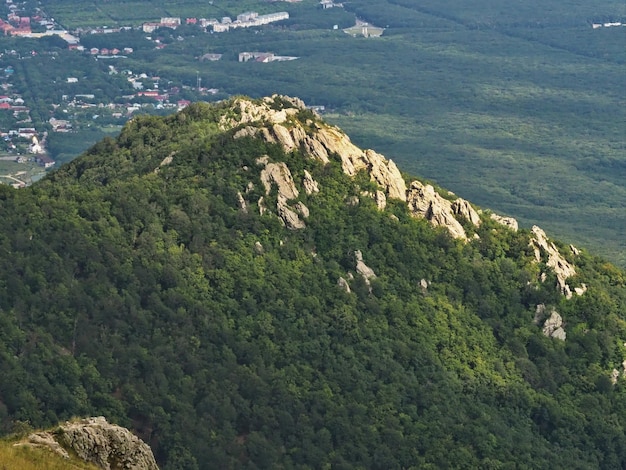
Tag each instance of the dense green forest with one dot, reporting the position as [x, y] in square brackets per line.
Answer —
[135, 285]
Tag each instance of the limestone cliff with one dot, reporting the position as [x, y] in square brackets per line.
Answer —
[96, 441]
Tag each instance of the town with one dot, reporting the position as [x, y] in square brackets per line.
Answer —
[27, 140]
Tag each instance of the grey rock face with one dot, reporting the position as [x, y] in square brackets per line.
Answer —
[547, 251]
[289, 216]
[506, 221]
[278, 174]
[343, 285]
[363, 269]
[310, 185]
[553, 327]
[94, 440]
[425, 202]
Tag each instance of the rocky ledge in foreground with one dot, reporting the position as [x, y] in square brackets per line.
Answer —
[96, 441]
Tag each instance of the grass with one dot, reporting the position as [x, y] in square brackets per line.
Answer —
[26, 458]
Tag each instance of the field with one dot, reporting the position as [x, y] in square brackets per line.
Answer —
[519, 108]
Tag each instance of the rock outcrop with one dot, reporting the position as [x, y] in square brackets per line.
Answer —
[243, 206]
[319, 141]
[386, 174]
[463, 208]
[278, 120]
[424, 201]
[506, 221]
[614, 376]
[553, 326]
[246, 111]
[547, 251]
[363, 269]
[343, 285]
[278, 174]
[288, 215]
[274, 120]
[381, 200]
[94, 440]
[309, 184]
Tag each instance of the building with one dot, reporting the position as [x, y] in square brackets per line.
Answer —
[210, 57]
[247, 16]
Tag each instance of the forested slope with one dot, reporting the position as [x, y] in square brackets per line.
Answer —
[152, 281]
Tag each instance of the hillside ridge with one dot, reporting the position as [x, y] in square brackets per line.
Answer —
[243, 287]
[276, 120]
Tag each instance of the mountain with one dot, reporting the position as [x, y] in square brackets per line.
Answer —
[243, 287]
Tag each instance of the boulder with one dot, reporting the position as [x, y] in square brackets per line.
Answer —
[553, 327]
[96, 441]
[363, 269]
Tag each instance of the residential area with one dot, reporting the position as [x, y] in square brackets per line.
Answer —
[61, 90]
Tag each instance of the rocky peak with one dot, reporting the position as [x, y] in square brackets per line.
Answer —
[94, 440]
[244, 111]
[318, 141]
